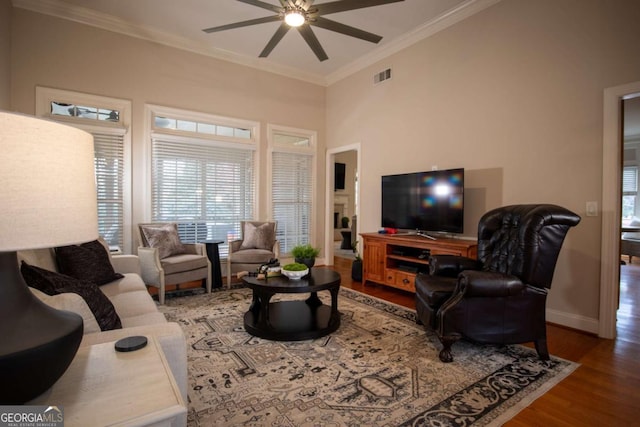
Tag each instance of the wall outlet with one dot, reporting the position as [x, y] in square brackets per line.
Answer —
[592, 208]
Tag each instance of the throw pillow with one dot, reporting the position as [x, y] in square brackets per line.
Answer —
[52, 283]
[262, 236]
[88, 261]
[165, 238]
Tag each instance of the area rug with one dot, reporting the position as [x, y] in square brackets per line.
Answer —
[379, 369]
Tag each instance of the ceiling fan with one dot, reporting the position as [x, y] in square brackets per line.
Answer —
[302, 14]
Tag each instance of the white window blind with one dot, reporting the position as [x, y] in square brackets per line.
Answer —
[207, 187]
[291, 192]
[630, 179]
[109, 165]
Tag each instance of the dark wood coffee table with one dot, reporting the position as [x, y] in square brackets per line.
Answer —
[293, 320]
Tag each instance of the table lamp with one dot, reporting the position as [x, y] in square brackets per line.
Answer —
[47, 199]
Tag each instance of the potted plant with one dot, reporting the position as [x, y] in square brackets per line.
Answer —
[356, 266]
[305, 254]
[345, 222]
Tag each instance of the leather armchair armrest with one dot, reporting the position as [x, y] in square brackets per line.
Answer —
[489, 284]
[234, 245]
[451, 265]
[195, 248]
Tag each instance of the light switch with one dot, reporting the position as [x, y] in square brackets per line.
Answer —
[592, 208]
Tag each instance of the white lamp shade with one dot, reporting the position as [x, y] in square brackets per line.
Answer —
[47, 184]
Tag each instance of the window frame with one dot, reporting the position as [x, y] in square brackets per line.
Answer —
[311, 150]
[46, 95]
[151, 131]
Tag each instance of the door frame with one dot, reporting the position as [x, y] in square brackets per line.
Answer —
[329, 193]
[611, 209]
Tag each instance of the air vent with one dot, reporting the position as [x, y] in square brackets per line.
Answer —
[382, 76]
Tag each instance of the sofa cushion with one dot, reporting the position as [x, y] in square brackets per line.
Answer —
[251, 256]
[88, 261]
[129, 283]
[52, 283]
[261, 236]
[163, 237]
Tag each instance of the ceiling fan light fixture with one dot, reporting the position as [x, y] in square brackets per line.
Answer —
[294, 18]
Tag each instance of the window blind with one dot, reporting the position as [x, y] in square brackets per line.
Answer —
[207, 187]
[109, 166]
[291, 193]
[629, 179]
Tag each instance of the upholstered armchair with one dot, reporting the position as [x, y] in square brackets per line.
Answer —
[165, 260]
[256, 246]
[500, 298]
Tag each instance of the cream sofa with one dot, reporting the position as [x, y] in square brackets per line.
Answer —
[138, 312]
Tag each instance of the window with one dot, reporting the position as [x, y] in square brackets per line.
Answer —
[107, 119]
[629, 192]
[292, 171]
[202, 177]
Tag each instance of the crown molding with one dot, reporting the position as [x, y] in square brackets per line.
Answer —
[447, 19]
[107, 22]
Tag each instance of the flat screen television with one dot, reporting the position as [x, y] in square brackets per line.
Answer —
[430, 201]
[340, 173]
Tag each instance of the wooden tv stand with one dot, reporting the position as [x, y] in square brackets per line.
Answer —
[395, 259]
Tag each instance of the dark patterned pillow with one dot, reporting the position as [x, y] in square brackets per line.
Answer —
[88, 261]
[262, 236]
[165, 238]
[52, 283]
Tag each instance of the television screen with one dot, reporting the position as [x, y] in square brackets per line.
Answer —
[424, 201]
[340, 171]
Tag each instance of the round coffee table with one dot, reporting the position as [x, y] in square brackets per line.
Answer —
[293, 320]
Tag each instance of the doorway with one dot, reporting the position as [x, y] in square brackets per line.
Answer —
[611, 206]
[342, 201]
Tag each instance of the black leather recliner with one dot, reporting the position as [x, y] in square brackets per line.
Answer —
[499, 298]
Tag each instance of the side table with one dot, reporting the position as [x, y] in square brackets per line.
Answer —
[213, 253]
[106, 387]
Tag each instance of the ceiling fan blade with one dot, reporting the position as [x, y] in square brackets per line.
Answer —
[243, 24]
[279, 34]
[262, 4]
[312, 41]
[328, 24]
[344, 5]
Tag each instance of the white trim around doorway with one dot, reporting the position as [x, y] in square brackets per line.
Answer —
[329, 195]
[611, 165]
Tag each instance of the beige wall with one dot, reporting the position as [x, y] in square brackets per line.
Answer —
[5, 54]
[514, 95]
[63, 54]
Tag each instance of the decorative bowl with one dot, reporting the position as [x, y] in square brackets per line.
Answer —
[295, 275]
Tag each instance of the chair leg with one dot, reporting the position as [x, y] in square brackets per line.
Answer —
[447, 341]
[541, 348]
[161, 291]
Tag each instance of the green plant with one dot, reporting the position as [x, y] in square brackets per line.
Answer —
[295, 266]
[354, 248]
[344, 222]
[305, 251]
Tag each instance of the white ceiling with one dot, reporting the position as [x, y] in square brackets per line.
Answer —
[180, 24]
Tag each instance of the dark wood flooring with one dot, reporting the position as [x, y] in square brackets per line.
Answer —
[603, 391]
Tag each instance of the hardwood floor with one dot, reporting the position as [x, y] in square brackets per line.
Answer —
[603, 391]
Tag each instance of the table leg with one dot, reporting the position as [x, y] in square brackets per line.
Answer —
[313, 301]
[213, 253]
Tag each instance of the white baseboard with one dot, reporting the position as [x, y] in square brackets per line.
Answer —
[582, 323]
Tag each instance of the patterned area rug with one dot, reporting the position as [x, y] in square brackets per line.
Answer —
[378, 369]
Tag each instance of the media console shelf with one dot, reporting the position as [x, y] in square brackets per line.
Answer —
[395, 259]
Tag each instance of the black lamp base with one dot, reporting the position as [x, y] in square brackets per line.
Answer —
[38, 342]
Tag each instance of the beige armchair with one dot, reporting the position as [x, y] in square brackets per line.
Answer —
[257, 246]
[164, 260]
